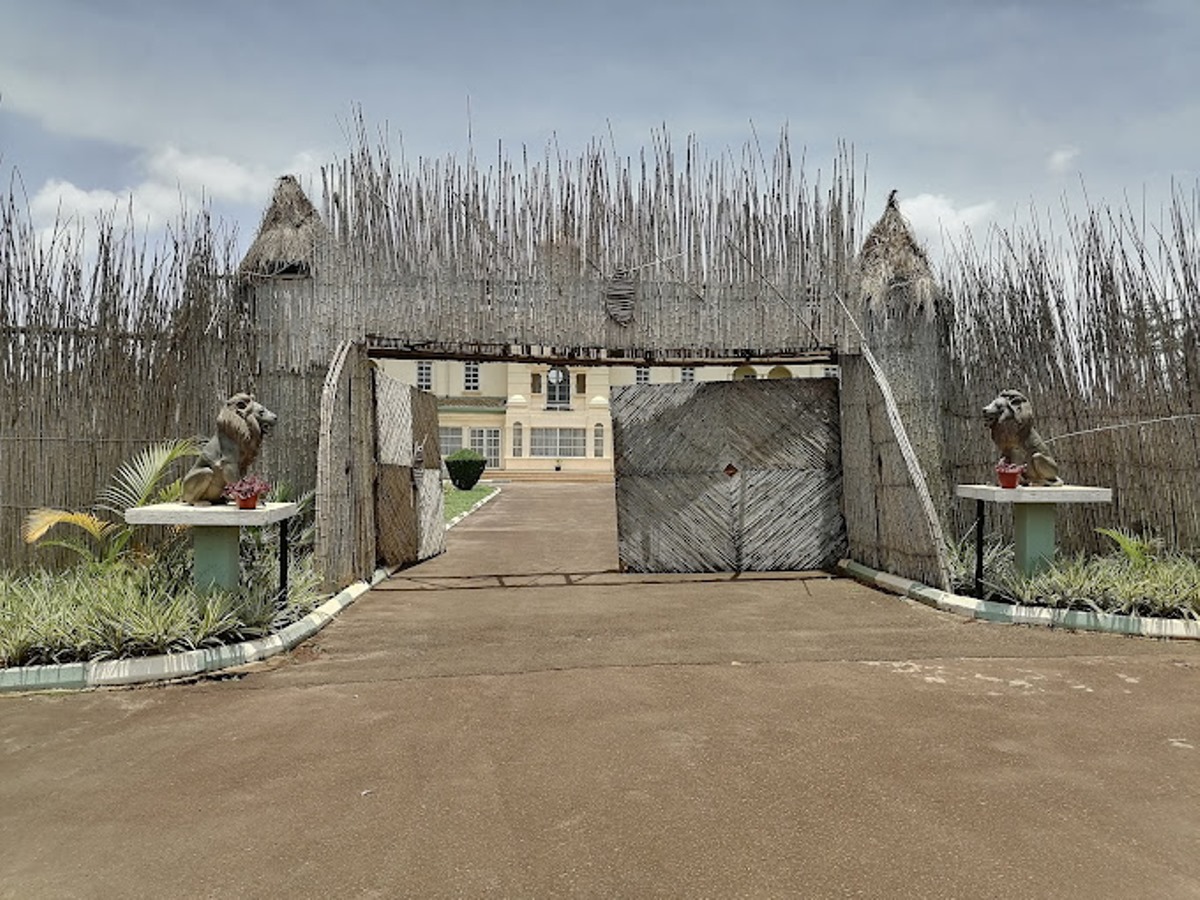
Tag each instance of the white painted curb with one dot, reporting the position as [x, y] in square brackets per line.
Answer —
[991, 611]
[108, 673]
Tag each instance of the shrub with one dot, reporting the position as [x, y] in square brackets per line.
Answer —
[465, 468]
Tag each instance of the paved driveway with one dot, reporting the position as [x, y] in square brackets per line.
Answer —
[516, 719]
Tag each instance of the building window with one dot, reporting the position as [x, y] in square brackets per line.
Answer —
[558, 388]
[581, 384]
[450, 440]
[832, 372]
[780, 372]
[518, 439]
[486, 442]
[643, 375]
[745, 373]
[687, 374]
[425, 375]
[535, 383]
[598, 449]
[558, 442]
[471, 376]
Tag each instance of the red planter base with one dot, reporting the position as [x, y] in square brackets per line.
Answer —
[1009, 476]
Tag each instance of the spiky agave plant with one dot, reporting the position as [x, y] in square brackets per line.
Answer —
[138, 482]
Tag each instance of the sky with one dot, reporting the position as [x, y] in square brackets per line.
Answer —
[975, 111]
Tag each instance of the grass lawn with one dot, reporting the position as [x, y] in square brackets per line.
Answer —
[458, 502]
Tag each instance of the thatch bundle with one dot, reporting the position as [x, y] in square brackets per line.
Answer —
[894, 273]
[288, 236]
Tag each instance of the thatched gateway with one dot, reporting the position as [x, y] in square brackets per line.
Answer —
[597, 261]
[605, 261]
[672, 258]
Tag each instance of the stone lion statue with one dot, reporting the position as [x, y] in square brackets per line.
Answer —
[1010, 418]
[227, 455]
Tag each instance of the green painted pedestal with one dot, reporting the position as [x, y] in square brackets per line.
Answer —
[1033, 518]
[215, 536]
[216, 557]
[1033, 536]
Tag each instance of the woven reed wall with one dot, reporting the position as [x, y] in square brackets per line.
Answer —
[886, 525]
[728, 476]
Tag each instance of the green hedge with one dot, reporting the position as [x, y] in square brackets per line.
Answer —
[465, 468]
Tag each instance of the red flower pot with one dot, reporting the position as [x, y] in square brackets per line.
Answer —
[248, 502]
[1009, 476]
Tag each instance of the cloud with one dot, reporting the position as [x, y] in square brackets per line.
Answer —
[174, 183]
[1060, 161]
[937, 223]
[149, 204]
[216, 177]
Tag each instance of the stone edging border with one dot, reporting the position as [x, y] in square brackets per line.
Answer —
[488, 499]
[991, 611]
[111, 673]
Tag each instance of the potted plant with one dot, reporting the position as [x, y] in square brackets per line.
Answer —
[1009, 474]
[246, 491]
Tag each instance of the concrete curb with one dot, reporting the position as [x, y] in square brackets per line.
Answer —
[990, 611]
[109, 673]
[463, 515]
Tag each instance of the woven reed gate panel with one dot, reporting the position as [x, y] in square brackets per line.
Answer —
[431, 516]
[397, 532]
[409, 504]
[652, 510]
[425, 429]
[728, 476]
[394, 420]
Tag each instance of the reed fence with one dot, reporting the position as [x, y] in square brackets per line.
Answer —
[107, 344]
[1097, 325]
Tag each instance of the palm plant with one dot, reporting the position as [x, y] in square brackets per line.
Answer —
[140, 481]
[1138, 551]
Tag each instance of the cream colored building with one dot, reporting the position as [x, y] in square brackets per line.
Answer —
[538, 418]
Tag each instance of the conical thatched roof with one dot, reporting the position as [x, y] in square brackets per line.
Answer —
[288, 235]
[893, 269]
